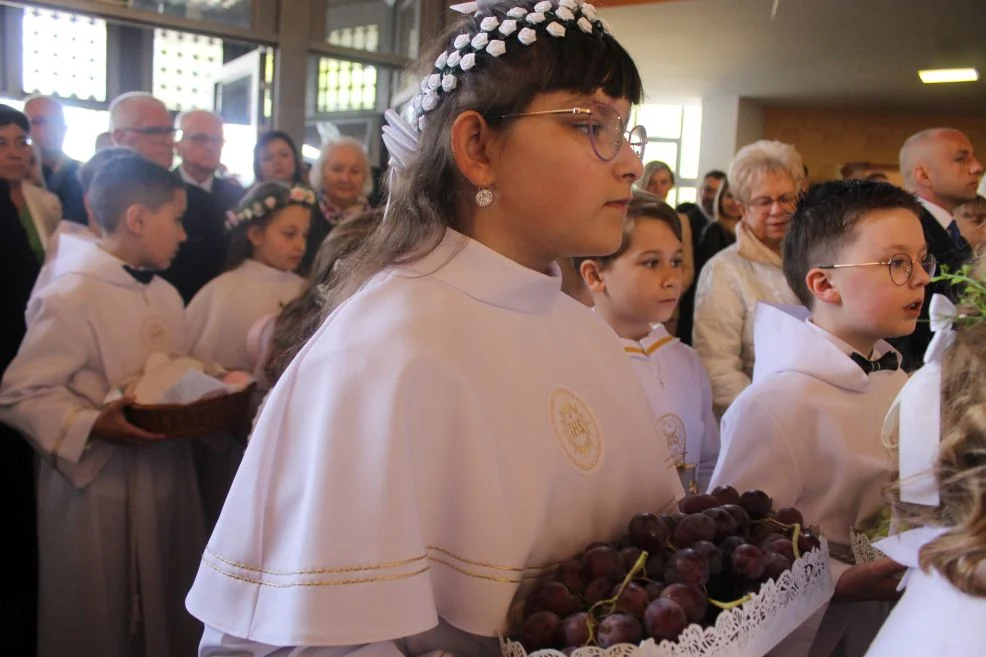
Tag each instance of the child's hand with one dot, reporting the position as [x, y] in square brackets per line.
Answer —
[876, 580]
[113, 427]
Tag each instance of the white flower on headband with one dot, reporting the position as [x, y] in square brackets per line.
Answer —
[589, 11]
[424, 84]
[434, 81]
[489, 23]
[565, 14]
[496, 47]
[441, 61]
[270, 202]
[543, 6]
[527, 36]
[585, 25]
[517, 12]
[535, 18]
[449, 83]
[421, 124]
[556, 30]
[461, 41]
[508, 27]
[247, 214]
[468, 61]
[454, 59]
[429, 101]
[479, 41]
[465, 7]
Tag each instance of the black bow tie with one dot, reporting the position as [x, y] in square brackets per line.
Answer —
[888, 361]
[142, 276]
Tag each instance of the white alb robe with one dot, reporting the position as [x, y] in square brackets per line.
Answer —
[678, 388]
[452, 430]
[933, 617]
[104, 509]
[807, 432]
[219, 321]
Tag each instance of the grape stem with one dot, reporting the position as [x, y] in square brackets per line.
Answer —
[734, 603]
[637, 567]
[794, 540]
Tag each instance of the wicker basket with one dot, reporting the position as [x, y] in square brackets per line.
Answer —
[223, 413]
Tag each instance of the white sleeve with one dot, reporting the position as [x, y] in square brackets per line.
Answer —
[718, 330]
[755, 453]
[217, 644]
[37, 397]
[710, 439]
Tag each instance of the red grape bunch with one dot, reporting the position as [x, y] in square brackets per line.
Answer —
[667, 572]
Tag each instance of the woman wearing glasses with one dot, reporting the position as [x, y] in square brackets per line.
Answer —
[766, 178]
[456, 424]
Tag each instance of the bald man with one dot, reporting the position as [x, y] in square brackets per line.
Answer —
[141, 122]
[61, 173]
[940, 167]
[200, 148]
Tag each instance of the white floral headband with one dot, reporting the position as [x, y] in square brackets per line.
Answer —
[297, 195]
[553, 17]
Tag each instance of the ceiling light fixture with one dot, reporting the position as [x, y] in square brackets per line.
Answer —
[946, 75]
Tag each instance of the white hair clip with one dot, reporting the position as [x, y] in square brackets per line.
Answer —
[585, 25]
[569, 4]
[441, 61]
[589, 11]
[527, 36]
[543, 6]
[489, 23]
[466, 7]
[461, 41]
[508, 27]
[565, 14]
[535, 17]
[517, 12]
[434, 81]
[429, 101]
[479, 41]
[496, 47]
[468, 61]
[556, 30]
[449, 83]
[454, 59]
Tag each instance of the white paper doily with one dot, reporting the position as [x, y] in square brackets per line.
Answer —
[749, 630]
[862, 548]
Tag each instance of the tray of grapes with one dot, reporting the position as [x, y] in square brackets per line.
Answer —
[726, 576]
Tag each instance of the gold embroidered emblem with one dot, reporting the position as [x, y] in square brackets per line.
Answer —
[674, 432]
[154, 334]
[575, 429]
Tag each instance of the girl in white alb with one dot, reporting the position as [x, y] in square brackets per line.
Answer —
[267, 241]
[636, 290]
[456, 424]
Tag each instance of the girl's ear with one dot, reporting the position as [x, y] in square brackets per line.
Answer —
[255, 234]
[592, 274]
[472, 146]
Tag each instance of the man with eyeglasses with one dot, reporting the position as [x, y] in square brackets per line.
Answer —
[200, 147]
[141, 122]
[61, 173]
[939, 166]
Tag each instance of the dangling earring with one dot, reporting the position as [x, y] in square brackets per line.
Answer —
[484, 197]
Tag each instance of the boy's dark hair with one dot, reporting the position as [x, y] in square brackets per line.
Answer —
[824, 221]
[129, 180]
[89, 170]
[643, 206]
[8, 116]
[275, 135]
[715, 174]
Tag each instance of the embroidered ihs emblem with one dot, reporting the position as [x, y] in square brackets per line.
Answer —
[154, 334]
[674, 432]
[575, 429]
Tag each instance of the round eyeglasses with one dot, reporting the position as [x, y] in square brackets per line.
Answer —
[900, 266]
[603, 125]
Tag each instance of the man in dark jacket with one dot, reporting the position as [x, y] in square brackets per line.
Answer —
[200, 147]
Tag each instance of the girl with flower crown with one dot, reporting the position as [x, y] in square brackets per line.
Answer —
[456, 424]
[267, 234]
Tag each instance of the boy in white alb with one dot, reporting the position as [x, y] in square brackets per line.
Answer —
[808, 430]
[636, 290]
[118, 509]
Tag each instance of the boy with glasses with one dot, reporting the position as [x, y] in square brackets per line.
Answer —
[808, 430]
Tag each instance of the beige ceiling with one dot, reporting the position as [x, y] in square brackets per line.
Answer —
[862, 53]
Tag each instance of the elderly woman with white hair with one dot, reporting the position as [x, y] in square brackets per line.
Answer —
[766, 178]
[341, 179]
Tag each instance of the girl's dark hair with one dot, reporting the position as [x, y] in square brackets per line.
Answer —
[8, 115]
[301, 318]
[240, 247]
[643, 206]
[274, 135]
[430, 194]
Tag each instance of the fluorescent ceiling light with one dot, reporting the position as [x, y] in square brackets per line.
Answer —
[941, 75]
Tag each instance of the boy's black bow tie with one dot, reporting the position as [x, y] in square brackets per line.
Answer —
[888, 361]
[142, 276]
